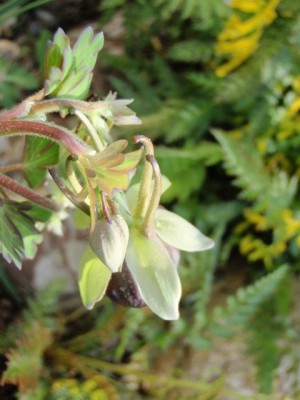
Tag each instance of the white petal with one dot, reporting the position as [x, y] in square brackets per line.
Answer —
[179, 233]
[155, 275]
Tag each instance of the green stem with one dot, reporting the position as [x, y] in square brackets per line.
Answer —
[63, 136]
[23, 109]
[91, 130]
[145, 186]
[25, 192]
[57, 105]
[69, 195]
[147, 226]
[92, 197]
[71, 174]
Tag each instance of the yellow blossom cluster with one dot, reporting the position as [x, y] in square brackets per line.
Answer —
[73, 389]
[240, 37]
[255, 248]
[288, 125]
[290, 119]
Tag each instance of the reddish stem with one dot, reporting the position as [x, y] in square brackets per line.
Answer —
[25, 192]
[50, 131]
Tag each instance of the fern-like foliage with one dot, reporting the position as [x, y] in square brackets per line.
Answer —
[206, 12]
[41, 310]
[25, 362]
[272, 196]
[263, 336]
[268, 334]
[243, 161]
[247, 301]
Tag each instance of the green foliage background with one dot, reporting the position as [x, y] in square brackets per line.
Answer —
[229, 145]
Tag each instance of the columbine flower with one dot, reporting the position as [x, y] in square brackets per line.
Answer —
[106, 173]
[110, 168]
[149, 275]
[154, 236]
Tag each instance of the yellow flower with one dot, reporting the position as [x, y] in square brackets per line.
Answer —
[283, 134]
[261, 145]
[296, 84]
[292, 225]
[278, 248]
[247, 6]
[256, 219]
[247, 244]
[239, 50]
[294, 107]
[240, 37]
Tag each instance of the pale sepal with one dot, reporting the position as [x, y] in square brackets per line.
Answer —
[94, 278]
[155, 274]
[179, 233]
[109, 241]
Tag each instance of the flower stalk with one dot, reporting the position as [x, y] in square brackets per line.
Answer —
[27, 193]
[58, 134]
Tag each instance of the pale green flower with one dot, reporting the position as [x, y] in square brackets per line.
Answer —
[145, 239]
[149, 254]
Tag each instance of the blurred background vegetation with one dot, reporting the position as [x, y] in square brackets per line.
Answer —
[217, 85]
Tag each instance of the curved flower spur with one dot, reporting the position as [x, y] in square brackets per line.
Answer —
[143, 238]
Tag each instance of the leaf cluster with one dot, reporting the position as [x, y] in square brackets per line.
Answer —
[18, 235]
[68, 71]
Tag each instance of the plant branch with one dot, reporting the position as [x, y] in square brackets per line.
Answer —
[69, 195]
[12, 167]
[25, 192]
[56, 133]
[90, 129]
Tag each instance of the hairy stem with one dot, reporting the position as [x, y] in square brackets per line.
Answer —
[69, 195]
[57, 105]
[72, 143]
[92, 197]
[71, 174]
[25, 192]
[90, 129]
